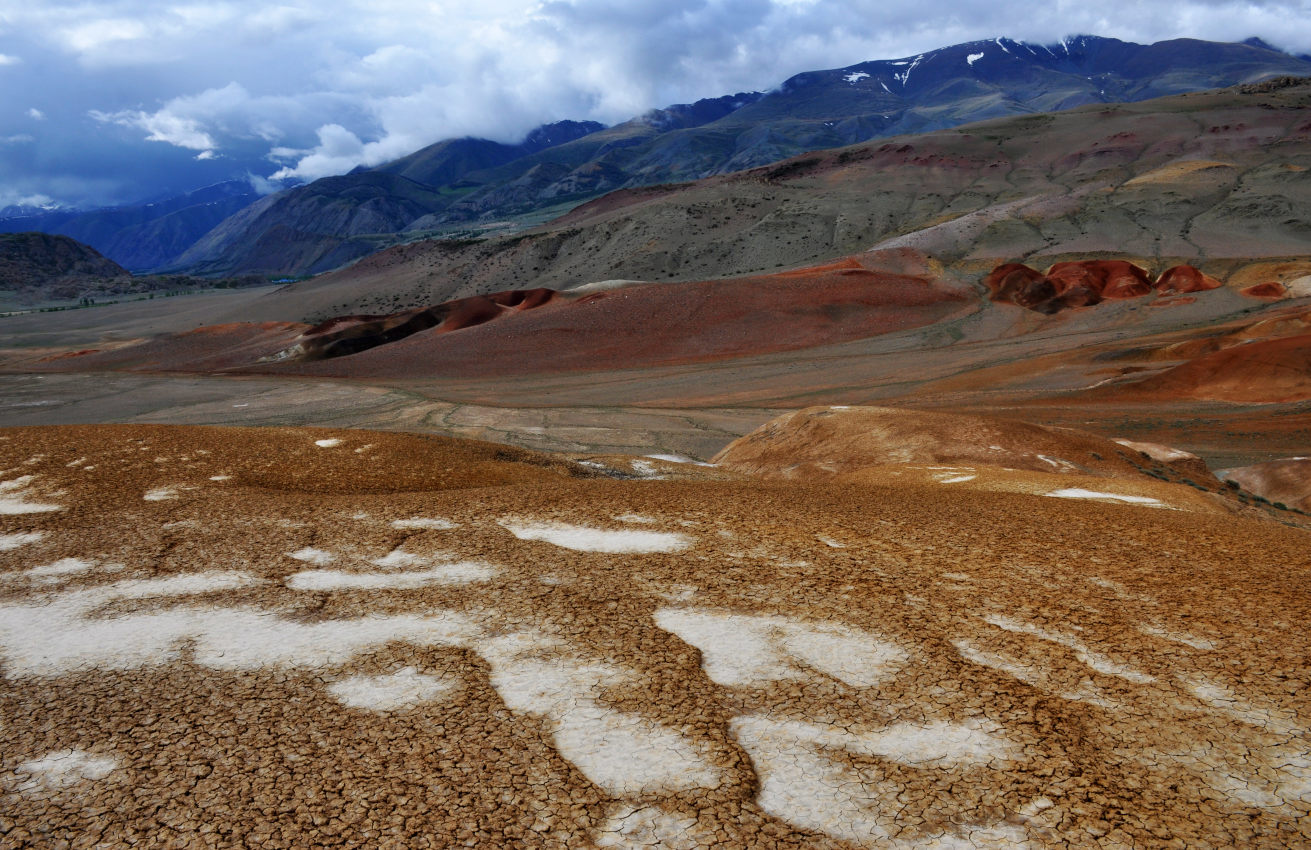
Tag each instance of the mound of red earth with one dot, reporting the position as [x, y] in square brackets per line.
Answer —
[344, 335]
[1286, 481]
[1264, 371]
[211, 348]
[1269, 289]
[541, 330]
[1083, 283]
[829, 442]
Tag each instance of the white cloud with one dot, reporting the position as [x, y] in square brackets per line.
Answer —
[36, 114]
[162, 126]
[8, 60]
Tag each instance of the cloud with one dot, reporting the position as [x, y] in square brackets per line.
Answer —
[303, 90]
[36, 114]
[8, 60]
[162, 126]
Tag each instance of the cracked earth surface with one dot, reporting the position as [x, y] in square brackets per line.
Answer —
[301, 638]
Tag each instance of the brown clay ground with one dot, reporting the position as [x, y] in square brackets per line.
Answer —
[294, 638]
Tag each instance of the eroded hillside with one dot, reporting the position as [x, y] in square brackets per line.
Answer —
[1211, 179]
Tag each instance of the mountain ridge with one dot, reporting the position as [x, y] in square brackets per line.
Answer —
[809, 111]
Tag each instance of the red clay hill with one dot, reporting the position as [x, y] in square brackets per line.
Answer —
[542, 330]
[1082, 283]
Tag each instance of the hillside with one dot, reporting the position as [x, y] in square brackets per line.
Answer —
[39, 264]
[145, 236]
[1210, 179]
[811, 111]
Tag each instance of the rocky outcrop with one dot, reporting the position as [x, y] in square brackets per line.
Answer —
[1083, 283]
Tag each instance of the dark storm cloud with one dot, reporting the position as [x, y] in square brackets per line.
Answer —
[134, 98]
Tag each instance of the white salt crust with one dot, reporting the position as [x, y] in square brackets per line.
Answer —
[1078, 493]
[161, 494]
[65, 768]
[310, 555]
[398, 560]
[623, 753]
[584, 539]
[740, 649]
[9, 542]
[806, 781]
[1095, 660]
[62, 567]
[1027, 673]
[424, 524]
[405, 688]
[459, 573]
[631, 827]
[13, 498]
[331, 443]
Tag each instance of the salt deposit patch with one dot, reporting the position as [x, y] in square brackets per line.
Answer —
[631, 827]
[621, 752]
[310, 555]
[419, 523]
[240, 639]
[679, 459]
[331, 443]
[584, 539]
[1079, 493]
[60, 568]
[637, 518]
[403, 689]
[646, 470]
[398, 560]
[1178, 637]
[65, 768]
[739, 649]
[1010, 666]
[830, 542]
[806, 780]
[1095, 660]
[460, 573]
[14, 495]
[9, 542]
[161, 494]
[54, 634]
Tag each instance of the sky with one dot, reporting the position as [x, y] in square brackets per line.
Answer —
[117, 101]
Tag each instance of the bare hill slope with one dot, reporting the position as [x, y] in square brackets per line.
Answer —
[1212, 179]
[357, 638]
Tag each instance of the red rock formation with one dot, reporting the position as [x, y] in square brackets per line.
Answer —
[1016, 283]
[1107, 278]
[1185, 279]
[1270, 289]
[1083, 283]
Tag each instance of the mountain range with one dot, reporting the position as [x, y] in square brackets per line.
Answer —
[474, 187]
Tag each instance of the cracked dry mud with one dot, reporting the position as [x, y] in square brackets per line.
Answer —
[303, 638]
